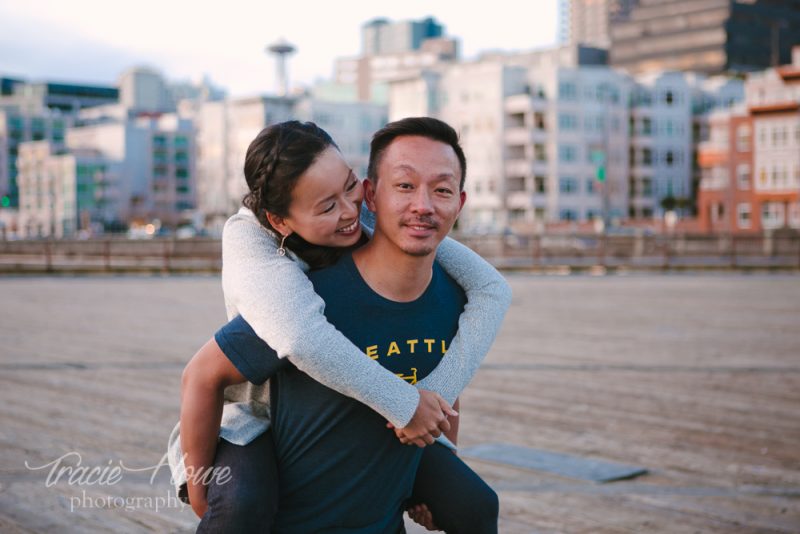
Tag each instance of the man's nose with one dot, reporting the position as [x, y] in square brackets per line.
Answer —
[422, 201]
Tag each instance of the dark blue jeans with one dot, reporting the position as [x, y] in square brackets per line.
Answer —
[460, 501]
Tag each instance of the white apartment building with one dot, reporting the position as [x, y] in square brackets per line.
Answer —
[538, 126]
[64, 192]
[529, 135]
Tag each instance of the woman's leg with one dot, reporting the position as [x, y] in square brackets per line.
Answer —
[459, 500]
[248, 501]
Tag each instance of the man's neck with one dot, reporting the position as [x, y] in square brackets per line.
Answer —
[392, 273]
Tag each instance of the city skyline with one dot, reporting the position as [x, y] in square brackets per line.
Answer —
[93, 42]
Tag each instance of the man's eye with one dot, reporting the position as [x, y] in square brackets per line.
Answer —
[444, 191]
[405, 186]
[352, 186]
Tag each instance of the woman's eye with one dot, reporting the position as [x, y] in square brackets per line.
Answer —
[329, 208]
[351, 186]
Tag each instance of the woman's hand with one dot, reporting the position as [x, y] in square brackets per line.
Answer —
[422, 516]
[429, 421]
[198, 497]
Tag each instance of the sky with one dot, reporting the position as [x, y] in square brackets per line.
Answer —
[87, 41]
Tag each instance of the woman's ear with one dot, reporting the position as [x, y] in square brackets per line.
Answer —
[279, 224]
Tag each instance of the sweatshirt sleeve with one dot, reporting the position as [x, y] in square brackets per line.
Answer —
[277, 299]
[488, 299]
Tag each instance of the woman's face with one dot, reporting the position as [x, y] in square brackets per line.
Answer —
[326, 202]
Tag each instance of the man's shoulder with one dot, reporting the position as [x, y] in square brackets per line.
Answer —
[446, 285]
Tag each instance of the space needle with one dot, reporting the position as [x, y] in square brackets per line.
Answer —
[281, 50]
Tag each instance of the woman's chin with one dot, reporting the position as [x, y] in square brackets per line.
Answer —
[348, 240]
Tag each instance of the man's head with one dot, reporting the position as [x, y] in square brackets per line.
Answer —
[415, 183]
[433, 129]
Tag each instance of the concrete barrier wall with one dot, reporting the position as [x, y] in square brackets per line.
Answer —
[577, 251]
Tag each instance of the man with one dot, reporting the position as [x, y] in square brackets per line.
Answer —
[339, 467]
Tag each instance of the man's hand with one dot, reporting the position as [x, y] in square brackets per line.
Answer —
[429, 421]
[422, 516]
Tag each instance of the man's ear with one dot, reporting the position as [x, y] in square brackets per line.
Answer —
[279, 224]
[369, 194]
[463, 200]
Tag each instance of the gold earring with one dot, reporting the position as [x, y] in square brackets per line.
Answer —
[281, 250]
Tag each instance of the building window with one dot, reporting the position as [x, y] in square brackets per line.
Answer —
[669, 158]
[568, 186]
[647, 156]
[568, 215]
[540, 152]
[590, 185]
[743, 138]
[743, 176]
[540, 183]
[647, 126]
[647, 187]
[567, 153]
[717, 212]
[516, 184]
[567, 121]
[743, 215]
[772, 215]
[669, 98]
[567, 91]
[794, 215]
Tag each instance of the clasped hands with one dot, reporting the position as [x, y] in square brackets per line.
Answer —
[429, 421]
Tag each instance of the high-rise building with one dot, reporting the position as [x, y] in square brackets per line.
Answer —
[381, 37]
[588, 22]
[707, 36]
[392, 51]
[142, 89]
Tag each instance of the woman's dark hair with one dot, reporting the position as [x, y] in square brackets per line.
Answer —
[275, 160]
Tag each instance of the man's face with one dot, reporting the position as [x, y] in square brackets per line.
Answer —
[416, 199]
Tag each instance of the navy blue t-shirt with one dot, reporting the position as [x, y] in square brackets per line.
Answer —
[340, 468]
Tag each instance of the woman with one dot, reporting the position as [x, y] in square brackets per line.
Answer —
[268, 288]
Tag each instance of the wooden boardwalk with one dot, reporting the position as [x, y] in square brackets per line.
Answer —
[696, 378]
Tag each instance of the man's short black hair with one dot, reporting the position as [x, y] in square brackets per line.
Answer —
[420, 126]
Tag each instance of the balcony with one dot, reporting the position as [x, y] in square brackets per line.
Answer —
[517, 136]
[518, 167]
